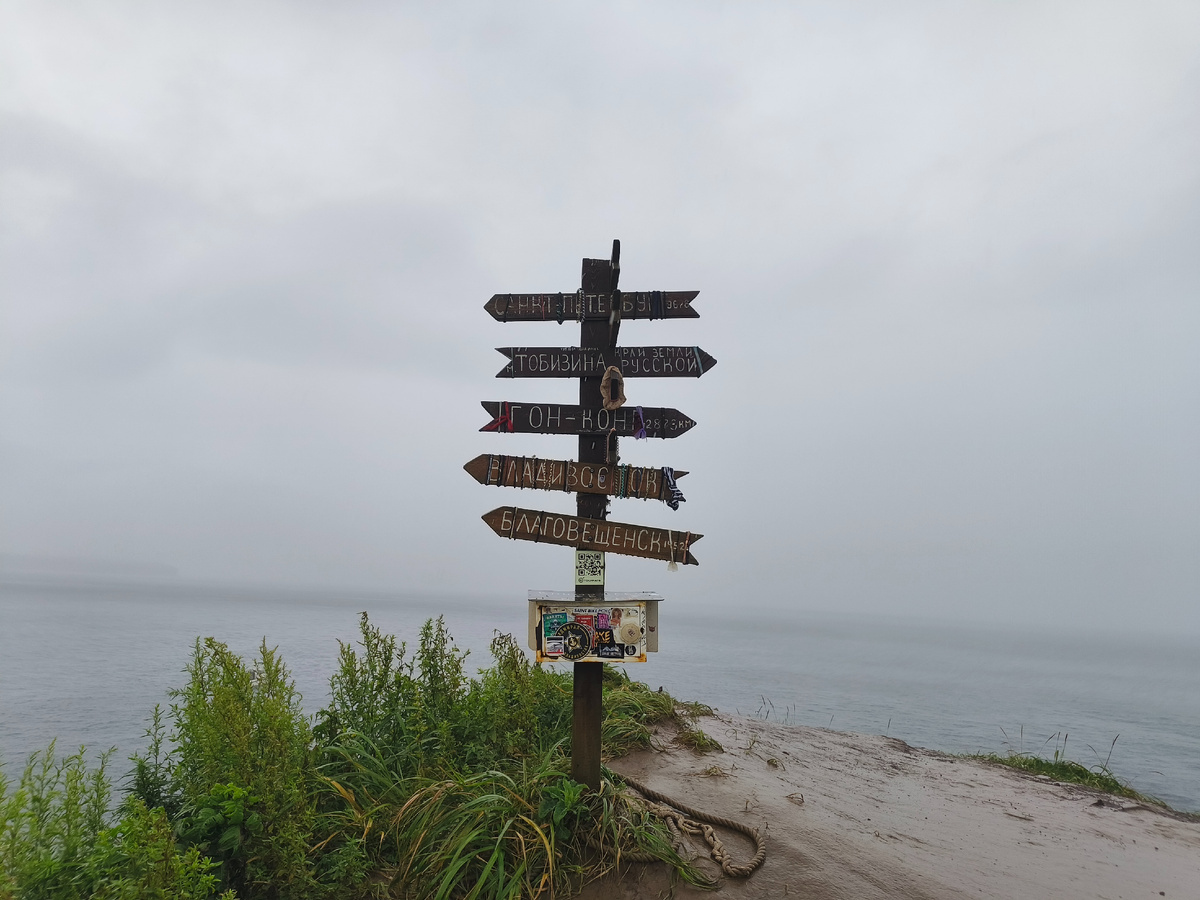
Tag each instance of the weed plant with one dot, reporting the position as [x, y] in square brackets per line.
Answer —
[1059, 768]
[55, 843]
[415, 781]
[448, 786]
[242, 752]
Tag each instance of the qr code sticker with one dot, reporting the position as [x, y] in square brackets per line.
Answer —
[589, 567]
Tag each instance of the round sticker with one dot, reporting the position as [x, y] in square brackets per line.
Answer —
[630, 633]
[577, 640]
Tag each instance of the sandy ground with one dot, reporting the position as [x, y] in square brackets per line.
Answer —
[859, 816]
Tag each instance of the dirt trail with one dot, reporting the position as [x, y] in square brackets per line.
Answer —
[861, 817]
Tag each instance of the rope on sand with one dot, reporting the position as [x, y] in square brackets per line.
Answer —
[689, 820]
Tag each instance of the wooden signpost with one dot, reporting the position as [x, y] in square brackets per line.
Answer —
[561, 418]
[593, 534]
[587, 305]
[570, 476]
[576, 362]
[599, 420]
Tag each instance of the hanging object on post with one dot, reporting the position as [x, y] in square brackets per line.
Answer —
[671, 494]
[612, 389]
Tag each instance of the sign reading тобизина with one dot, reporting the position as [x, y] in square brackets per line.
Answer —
[579, 362]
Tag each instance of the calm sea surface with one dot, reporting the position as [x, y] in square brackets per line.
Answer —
[87, 663]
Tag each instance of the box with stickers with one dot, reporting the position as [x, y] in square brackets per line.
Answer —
[621, 628]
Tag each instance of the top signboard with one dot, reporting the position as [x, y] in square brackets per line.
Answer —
[578, 306]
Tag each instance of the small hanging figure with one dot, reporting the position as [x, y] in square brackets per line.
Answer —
[671, 494]
[612, 389]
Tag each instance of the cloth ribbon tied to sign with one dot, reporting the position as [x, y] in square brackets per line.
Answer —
[502, 422]
[671, 494]
[639, 424]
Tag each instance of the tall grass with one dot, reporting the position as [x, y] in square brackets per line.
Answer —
[56, 842]
[240, 733]
[454, 786]
[416, 780]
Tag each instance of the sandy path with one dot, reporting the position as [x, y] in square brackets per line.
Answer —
[859, 816]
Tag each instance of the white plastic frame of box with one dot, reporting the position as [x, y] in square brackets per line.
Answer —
[539, 599]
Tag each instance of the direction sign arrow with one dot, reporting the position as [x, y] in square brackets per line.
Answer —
[593, 534]
[577, 305]
[568, 475]
[555, 418]
[585, 362]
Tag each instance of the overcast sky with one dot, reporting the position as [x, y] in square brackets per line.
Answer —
[948, 257]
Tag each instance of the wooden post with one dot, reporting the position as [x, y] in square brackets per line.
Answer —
[599, 275]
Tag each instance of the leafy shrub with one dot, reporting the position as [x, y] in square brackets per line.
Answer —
[562, 802]
[55, 844]
[518, 709]
[247, 730]
[151, 780]
[221, 820]
[49, 826]
[416, 781]
[450, 785]
[373, 695]
[140, 861]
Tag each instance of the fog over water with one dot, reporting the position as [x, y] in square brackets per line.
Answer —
[946, 257]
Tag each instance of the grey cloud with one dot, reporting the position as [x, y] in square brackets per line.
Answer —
[946, 260]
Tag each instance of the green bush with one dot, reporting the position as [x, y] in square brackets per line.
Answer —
[50, 822]
[141, 861]
[450, 786]
[245, 731]
[416, 781]
[55, 844]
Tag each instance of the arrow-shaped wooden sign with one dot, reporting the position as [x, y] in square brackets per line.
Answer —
[568, 475]
[577, 306]
[593, 534]
[555, 418]
[581, 362]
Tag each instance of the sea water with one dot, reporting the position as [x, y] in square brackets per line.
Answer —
[86, 663]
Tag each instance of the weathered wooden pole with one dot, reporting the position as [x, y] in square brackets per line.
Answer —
[599, 276]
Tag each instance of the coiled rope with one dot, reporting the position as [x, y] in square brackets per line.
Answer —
[689, 820]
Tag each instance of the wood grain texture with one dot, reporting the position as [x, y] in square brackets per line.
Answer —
[535, 473]
[562, 418]
[645, 541]
[581, 306]
[581, 362]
